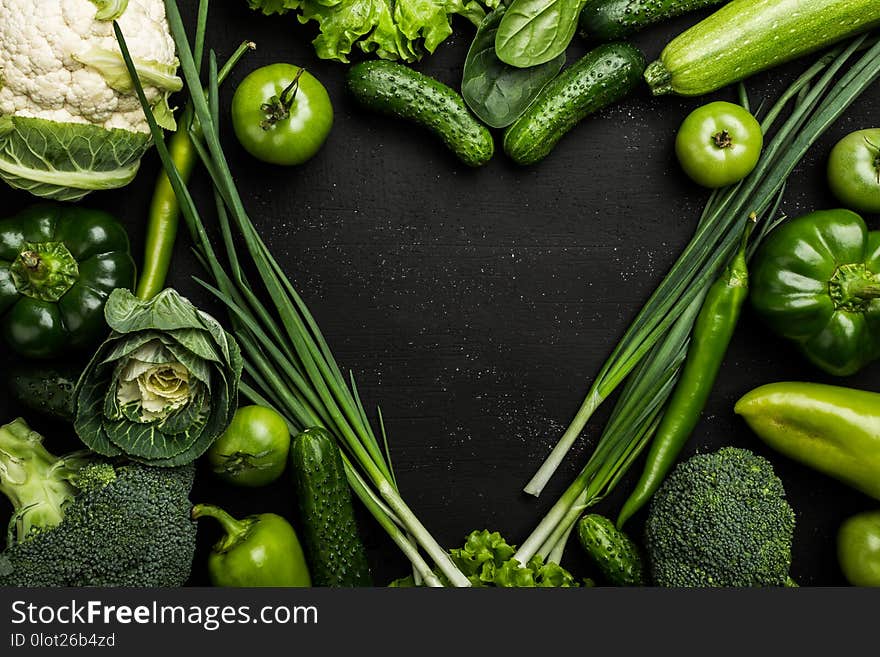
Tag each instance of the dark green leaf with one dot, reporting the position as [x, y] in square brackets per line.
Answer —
[534, 32]
[496, 92]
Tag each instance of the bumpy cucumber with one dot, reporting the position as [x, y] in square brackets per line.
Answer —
[745, 37]
[600, 78]
[44, 389]
[397, 90]
[613, 552]
[334, 550]
[607, 20]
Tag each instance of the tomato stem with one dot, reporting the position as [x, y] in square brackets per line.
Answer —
[722, 139]
[876, 157]
[278, 107]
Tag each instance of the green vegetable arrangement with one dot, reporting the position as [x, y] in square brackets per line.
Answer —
[650, 354]
[163, 386]
[286, 358]
[79, 520]
[401, 30]
[58, 266]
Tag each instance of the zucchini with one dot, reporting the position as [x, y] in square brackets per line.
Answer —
[44, 389]
[613, 552]
[607, 20]
[334, 550]
[745, 37]
[600, 78]
[397, 90]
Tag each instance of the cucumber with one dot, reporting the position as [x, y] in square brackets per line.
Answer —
[613, 552]
[745, 37]
[607, 20]
[397, 90]
[334, 550]
[600, 78]
[43, 389]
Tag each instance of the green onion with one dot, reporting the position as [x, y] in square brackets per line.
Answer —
[288, 362]
[639, 408]
[717, 236]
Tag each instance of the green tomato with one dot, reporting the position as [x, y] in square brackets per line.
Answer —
[281, 114]
[854, 170]
[253, 450]
[719, 144]
[858, 549]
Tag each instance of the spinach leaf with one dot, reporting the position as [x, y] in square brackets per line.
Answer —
[533, 32]
[497, 92]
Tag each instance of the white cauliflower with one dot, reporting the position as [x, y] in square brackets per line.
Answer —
[70, 122]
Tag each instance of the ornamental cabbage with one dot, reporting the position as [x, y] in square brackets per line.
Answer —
[163, 386]
[391, 29]
[70, 122]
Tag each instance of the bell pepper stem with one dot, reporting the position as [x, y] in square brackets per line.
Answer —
[235, 529]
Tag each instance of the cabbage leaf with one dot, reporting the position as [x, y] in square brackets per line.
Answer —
[66, 161]
[390, 29]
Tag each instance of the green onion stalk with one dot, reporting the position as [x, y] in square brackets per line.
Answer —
[288, 363]
[650, 354]
[164, 213]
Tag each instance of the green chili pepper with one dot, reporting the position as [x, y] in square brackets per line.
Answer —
[816, 281]
[164, 214]
[832, 429]
[711, 337]
[58, 265]
[260, 550]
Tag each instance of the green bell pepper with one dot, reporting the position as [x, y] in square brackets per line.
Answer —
[58, 265]
[260, 550]
[832, 429]
[816, 280]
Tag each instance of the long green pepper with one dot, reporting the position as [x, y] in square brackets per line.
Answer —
[713, 331]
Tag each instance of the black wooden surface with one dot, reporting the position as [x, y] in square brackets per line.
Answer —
[476, 306]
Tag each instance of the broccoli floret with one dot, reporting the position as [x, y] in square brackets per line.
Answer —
[82, 521]
[721, 519]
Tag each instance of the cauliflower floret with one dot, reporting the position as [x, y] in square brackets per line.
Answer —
[43, 47]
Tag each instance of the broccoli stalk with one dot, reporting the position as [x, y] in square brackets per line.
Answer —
[37, 483]
[81, 520]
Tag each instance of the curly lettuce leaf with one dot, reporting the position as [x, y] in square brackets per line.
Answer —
[390, 29]
[486, 559]
[66, 161]
[272, 7]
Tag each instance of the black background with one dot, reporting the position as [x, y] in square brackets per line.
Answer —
[475, 306]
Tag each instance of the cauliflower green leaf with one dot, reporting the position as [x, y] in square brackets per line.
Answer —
[66, 161]
[110, 10]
